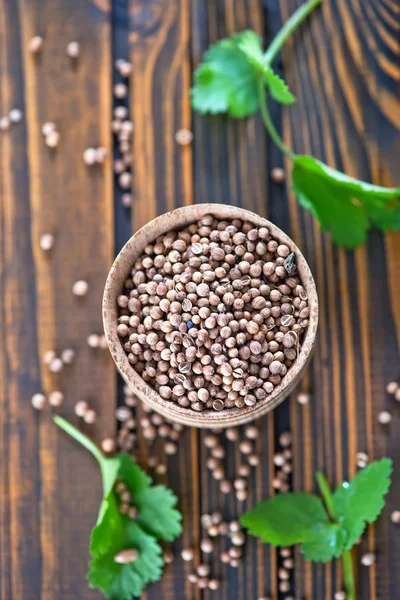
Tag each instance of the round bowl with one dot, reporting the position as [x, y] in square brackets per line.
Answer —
[119, 272]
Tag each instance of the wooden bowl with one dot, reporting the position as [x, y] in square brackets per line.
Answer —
[120, 270]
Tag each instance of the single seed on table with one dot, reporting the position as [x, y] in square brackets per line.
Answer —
[89, 156]
[125, 180]
[35, 44]
[303, 398]
[240, 484]
[288, 563]
[56, 365]
[395, 517]
[244, 471]
[90, 416]
[73, 49]
[161, 469]
[206, 521]
[279, 460]
[232, 434]
[126, 556]
[234, 526]
[278, 175]
[225, 486]
[213, 531]
[39, 401]
[4, 123]
[48, 128]
[235, 552]
[362, 459]
[284, 586]
[67, 356]
[206, 546]
[246, 447]
[283, 574]
[170, 448]
[49, 356]
[187, 554]
[384, 417]
[81, 408]
[251, 432]
[285, 552]
[56, 398]
[218, 473]
[80, 288]
[368, 559]
[213, 584]
[202, 583]
[108, 445]
[52, 139]
[225, 558]
[203, 570]
[340, 595]
[238, 538]
[93, 340]
[183, 137]
[397, 395]
[285, 439]
[253, 460]
[392, 387]
[241, 495]
[126, 200]
[120, 90]
[210, 441]
[168, 557]
[235, 562]
[15, 115]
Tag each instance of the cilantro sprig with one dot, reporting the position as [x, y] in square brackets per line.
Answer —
[236, 77]
[126, 554]
[325, 529]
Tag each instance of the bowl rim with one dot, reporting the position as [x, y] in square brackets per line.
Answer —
[113, 287]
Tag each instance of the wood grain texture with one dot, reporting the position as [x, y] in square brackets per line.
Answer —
[48, 502]
[344, 68]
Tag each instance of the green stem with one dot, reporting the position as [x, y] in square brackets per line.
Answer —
[287, 29]
[79, 437]
[270, 127]
[326, 494]
[348, 574]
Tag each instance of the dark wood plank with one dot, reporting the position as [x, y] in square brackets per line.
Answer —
[51, 487]
[162, 174]
[345, 115]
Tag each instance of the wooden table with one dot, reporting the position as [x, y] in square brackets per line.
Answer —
[344, 69]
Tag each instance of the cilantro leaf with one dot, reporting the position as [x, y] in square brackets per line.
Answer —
[226, 81]
[286, 519]
[155, 504]
[278, 88]
[345, 206]
[324, 542]
[362, 500]
[109, 528]
[250, 44]
[122, 581]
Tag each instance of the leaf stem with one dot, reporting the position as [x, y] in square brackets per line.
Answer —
[326, 494]
[287, 29]
[348, 575]
[79, 437]
[270, 127]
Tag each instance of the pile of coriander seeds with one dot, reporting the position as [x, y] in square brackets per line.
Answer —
[212, 315]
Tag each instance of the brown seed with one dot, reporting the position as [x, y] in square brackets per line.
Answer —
[246, 447]
[52, 139]
[203, 570]
[392, 387]
[253, 460]
[278, 175]
[90, 416]
[187, 554]
[395, 517]
[238, 539]
[81, 408]
[168, 557]
[80, 288]
[183, 137]
[108, 445]
[225, 486]
[368, 559]
[213, 584]
[232, 434]
[67, 356]
[35, 44]
[56, 398]
[206, 546]
[384, 417]
[39, 401]
[46, 242]
[56, 365]
[15, 115]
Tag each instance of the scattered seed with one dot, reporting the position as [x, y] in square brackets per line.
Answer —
[368, 559]
[362, 459]
[80, 288]
[213, 584]
[46, 241]
[161, 469]
[183, 137]
[15, 115]
[39, 401]
[395, 517]
[35, 44]
[303, 398]
[73, 49]
[67, 356]
[285, 439]
[52, 139]
[56, 398]
[187, 554]
[238, 539]
[93, 340]
[81, 408]
[340, 595]
[108, 445]
[384, 417]
[120, 91]
[392, 387]
[90, 416]
[56, 365]
[251, 432]
[253, 460]
[207, 546]
[168, 557]
[126, 556]
[278, 175]
[89, 156]
[4, 123]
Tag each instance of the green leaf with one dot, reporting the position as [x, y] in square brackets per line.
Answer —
[123, 581]
[286, 519]
[325, 541]
[278, 88]
[362, 500]
[109, 471]
[250, 44]
[155, 504]
[343, 205]
[226, 81]
[109, 528]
